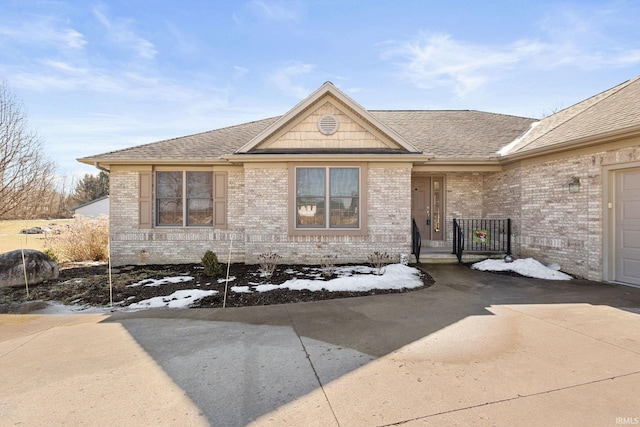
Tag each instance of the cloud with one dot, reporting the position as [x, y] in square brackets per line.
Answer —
[44, 31]
[121, 31]
[275, 10]
[574, 39]
[283, 78]
[239, 72]
[439, 60]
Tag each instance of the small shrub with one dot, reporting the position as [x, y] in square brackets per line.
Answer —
[328, 265]
[51, 254]
[378, 260]
[83, 239]
[211, 265]
[268, 263]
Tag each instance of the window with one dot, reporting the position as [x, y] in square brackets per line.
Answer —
[327, 197]
[184, 198]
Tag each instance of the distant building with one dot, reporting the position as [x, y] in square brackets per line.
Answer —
[94, 208]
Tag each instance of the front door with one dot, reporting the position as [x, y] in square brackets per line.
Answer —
[427, 205]
[627, 226]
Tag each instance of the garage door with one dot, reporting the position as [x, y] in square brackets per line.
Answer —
[627, 226]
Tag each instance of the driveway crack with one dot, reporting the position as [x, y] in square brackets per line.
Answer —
[313, 368]
[519, 396]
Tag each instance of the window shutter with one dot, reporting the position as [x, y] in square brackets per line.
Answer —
[220, 199]
[145, 201]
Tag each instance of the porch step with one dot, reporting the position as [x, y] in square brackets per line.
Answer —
[449, 258]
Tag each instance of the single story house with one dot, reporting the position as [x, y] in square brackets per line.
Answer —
[330, 177]
[93, 208]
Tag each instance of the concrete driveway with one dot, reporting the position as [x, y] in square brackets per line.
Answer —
[474, 349]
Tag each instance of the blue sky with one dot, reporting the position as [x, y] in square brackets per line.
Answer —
[96, 76]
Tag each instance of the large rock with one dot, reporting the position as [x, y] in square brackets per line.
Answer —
[39, 268]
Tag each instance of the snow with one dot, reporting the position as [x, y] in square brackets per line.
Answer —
[527, 267]
[160, 282]
[350, 279]
[178, 299]
[355, 279]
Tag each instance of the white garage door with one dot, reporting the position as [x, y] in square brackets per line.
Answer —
[627, 226]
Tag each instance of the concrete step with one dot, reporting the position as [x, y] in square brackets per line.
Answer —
[449, 258]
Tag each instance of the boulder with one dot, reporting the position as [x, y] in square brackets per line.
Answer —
[39, 268]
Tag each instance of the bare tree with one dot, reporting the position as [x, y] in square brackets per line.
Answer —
[25, 173]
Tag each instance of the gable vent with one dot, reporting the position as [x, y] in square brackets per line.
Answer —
[328, 124]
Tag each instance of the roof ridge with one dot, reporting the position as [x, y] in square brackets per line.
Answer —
[450, 111]
[605, 94]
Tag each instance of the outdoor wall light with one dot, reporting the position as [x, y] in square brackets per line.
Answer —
[574, 184]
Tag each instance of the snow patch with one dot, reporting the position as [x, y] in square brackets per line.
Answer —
[395, 276]
[160, 282]
[527, 267]
[179, 299]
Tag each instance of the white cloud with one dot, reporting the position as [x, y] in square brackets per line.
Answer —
[283, 78]
[121, 32]
[45, 31]
[438, 60]
[275, 10]
[574, 39]
[239, 72]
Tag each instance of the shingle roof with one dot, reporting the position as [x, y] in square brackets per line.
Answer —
[445, 134]
[455, 134]
[616, 109]
[209, 145]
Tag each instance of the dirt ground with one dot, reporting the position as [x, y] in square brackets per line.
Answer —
[89, 285]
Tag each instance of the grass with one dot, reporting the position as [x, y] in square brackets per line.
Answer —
[11, 239]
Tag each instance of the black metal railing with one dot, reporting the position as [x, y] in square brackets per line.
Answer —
[481, 235]
[416, 240]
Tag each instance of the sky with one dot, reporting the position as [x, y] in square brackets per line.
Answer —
[98, 76]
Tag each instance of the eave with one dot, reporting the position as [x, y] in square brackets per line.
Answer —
[414, 158]
[578, 143]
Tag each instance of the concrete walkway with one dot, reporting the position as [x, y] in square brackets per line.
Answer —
[474, 349]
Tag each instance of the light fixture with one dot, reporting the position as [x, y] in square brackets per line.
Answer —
[574, 184]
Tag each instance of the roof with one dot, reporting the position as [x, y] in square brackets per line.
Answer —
[325, 92]
[455, 134]
[90, 202]
[614, 111]
[445, 134]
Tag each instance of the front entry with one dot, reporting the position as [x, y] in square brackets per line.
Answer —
[627, 226]
[427, 206]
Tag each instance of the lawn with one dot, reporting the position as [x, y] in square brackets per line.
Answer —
[11, 239]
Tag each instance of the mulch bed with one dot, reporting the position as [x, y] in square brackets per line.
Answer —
[89, 285]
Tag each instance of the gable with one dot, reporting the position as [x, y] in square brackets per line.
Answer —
[298, 130]
[304, 133]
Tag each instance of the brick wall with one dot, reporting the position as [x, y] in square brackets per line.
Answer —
[551, 224]
[131, 245]
[388, 209]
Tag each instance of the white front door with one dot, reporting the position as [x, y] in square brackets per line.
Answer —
[627, 226]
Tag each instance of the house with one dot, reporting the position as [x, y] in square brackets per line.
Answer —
[93, 208]
[330, 177]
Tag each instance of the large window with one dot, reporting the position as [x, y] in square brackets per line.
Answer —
[327, 197]
[184, 198]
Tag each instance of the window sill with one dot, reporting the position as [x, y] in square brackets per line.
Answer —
[327, 232]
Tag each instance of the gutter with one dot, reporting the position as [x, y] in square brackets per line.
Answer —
[587, 141]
